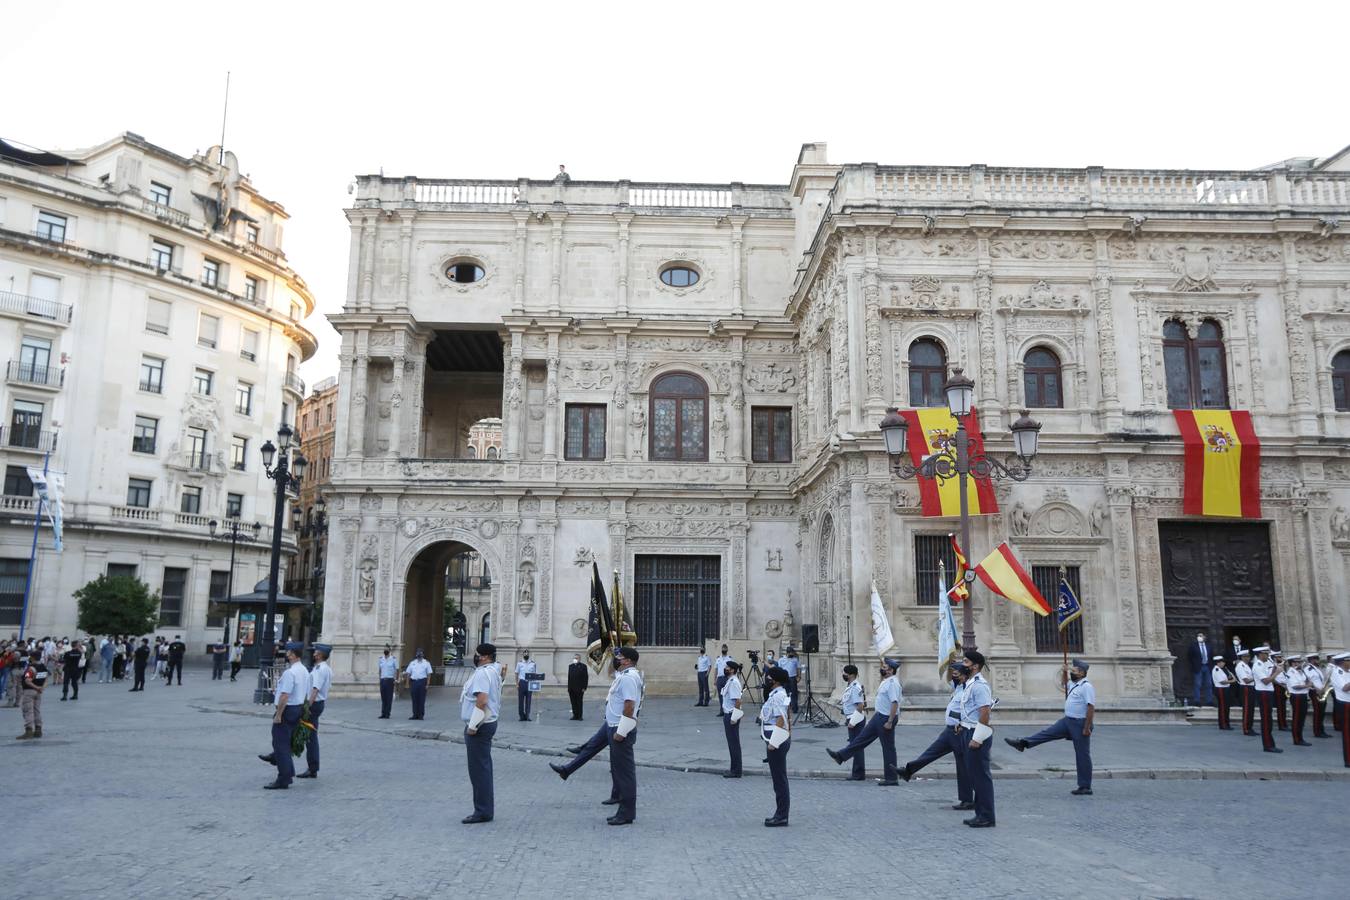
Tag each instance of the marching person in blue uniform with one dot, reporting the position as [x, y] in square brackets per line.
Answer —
[388, 678]
[1080, 705]
[621, 709]
[419, 676]
[948, 741]
[701, 667]
[853, 705]
[776, 728]
[977, 701]
[524, 667]
[291, 689]
[584, 753]
[731, 718]
[881, 725]
[480, 703]
[320, 680]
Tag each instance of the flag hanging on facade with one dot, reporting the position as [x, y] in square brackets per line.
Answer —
[1002, 574]
[932, 430]
[882, 638]
[960, 589]
[947, 643]
[50, 488]
[1069, 608]
[1222, 463]
[600, 633]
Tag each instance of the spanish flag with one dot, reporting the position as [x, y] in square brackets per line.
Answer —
[932, 430]
[1223, 463]
[959, 589]
[1003, 575]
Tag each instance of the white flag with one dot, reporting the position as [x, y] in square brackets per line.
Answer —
[49, 487]
[882, 639]
[946, 630]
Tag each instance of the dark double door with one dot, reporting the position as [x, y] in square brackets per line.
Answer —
[1217, 578]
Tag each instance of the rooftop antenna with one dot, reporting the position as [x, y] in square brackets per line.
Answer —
[224, 113]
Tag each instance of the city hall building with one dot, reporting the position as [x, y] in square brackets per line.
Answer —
[689, 380]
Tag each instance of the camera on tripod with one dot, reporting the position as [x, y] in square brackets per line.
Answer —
[754, 657]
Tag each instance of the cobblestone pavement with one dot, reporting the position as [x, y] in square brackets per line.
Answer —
[161, 793]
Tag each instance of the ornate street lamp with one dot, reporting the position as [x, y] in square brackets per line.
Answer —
[289, 468]
[955, 461]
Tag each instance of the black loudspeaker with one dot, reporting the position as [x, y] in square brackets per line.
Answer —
[810, 638]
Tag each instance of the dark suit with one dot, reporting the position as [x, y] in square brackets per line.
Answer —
[1202, 682]
[577, 680]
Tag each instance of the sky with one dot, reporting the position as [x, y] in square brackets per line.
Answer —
[687, 91]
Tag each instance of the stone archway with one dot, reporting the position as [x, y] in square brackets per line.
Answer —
[446, 573]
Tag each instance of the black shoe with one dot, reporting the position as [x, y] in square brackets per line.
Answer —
[1016, 743]
[268, 758]
[63, 699]
[609, 802]
[906, 774]
[731, 774]
[856, 778]
[412, 718]
[275, 786]
[620, 820]
[980, 823]
[775, 822]
[561, 770]
[381, 717]
[1081, 792]
[1323, 736]
[881, 782]
[475, 819]
[574, 749]
[1273, 750]
[1296, 743]
[834, 755]
[963, 805]
[308, 775]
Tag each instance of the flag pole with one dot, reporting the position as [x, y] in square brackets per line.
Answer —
[32, 554]
[1063, 638]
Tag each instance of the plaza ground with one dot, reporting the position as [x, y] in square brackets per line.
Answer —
[161, 792]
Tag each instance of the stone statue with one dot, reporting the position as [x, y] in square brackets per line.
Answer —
[367, 583]
[1097, 519]
[526, 592]
[1340, 525]
[1019, 520]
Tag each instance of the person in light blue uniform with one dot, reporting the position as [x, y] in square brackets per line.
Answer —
[881, 725]
[977, 701]
[731, 701]
[792, 666]
[584, 753]
[419, 676]
[388, 678]
[621, 708]
[525, 666]
[853, 701]
[289, 698]
[480, 703]
[320, 680]
[948, 742]
[776, 713]
[701, 667]
[1080, 705]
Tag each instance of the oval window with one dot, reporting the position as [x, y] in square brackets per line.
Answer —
[464, 272]
[679, 276]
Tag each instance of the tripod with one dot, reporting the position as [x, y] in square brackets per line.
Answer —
[812, 712]
[754, 680]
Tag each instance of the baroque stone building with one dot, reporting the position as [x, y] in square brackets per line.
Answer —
[690, 378]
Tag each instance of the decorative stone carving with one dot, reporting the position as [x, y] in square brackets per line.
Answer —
[526, 603]
[366, 583]
[772, 378]
[1019, 520]
[488, 529]
[1340, 524]
[1056, 519]
[773, 629]
[588, 375]
[1042, 296]
[1097, 519]
[773, 560]
[1195, 269]
[1041, 249]
[583, 557]
[579, 628]
[925, 292]
[676, 528]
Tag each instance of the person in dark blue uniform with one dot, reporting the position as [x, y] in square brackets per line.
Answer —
[949, 742]
[977, 701]
[775, 718]
[731, 718]
[881, 725]
[1080, 705]
[852, 703]
[388, 678]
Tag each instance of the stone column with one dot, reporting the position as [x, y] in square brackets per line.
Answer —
[1300, 372]
[736, 403]
[1104, 314]
[369, 224]
[504, 612]
[551, 401]
[548, 528]
[405, 234]
[1120, 499]
[396, 400]
[738, 265]
[736, 615]
[876, 389]
[415, 398]
[522, 219]
[513, 424]
[623, 220]
[556, 258]
[619, 427]
[357, 421]
[984, 301]
[346, 385]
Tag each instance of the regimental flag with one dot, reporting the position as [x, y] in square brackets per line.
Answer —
[947, 643]
[960, 590]
[933, 430]
[600, 634]
[882, 638]
[622, 621]
[1069, 608]
[1003, 574]
[1223, 463]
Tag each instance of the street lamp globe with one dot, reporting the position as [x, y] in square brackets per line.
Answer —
[322, 504]
[1026, 436]
[269, 453]
[960, 392]
[212, 525]
[894, 430]
[299, 464]
[284, 436]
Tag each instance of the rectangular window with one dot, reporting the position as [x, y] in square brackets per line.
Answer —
[251, 233]
[234, 506]
[210, 274]
[585, 431]
[248, 345]
[171, 597]
[122, 570]
[17, 482]
[26, 425]
[202, 380]
[929, 550]
[152, 375]
[771, 434]
[157, 313]
[208, 331]
[196, 447]
[13, 583]
[250, 288]
[160, 193]
[295, 311]
[243, 398]
[218, 591]
[191, 502]
[35, 362]
[51, 227]
[1046, 579]
[239, 453]
[285, 414]
[677, 600]
[161, 255]
[138, 492]
[145, 432]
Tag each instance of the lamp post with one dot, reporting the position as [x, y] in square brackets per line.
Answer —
[318, 530]
[289, 469]
[238, 531]
[954, 460]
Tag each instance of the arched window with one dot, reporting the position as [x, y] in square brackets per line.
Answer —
[1340, 380]
[1041, 379]
[492, 453]
[927, 373]
[1197, 376]
[679, 418]
[473, 452]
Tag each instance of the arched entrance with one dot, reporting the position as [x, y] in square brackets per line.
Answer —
[449, 585]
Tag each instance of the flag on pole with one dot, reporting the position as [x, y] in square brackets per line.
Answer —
[1003, 575]
[882, 639]
[50, 489]
[1222, 463]
[932, 430]
[1069, 607]
[947, 643]
[600, 635]
[960, 590]
[627, 636]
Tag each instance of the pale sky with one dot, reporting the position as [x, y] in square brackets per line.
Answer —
[687, 91]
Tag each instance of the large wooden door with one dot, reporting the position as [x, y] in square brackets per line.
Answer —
[1217, 578]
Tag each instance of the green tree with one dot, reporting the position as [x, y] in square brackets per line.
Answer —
[117, 604]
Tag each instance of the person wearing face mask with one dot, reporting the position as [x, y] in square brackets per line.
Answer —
[524, 666]
[480, 703]
[776, 725]
[577, 681]
[388, 676]
[1079, 707]
[1199, 654]
[881, 725]
[731, 717]
[948, 741]
[418, 674]
[852, 704]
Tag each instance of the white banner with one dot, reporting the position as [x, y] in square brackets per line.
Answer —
[882, 639]
[946, 627]
[50, 487]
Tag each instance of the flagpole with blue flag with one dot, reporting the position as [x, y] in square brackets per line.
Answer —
[1067, 610]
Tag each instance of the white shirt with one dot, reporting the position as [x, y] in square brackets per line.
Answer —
[721, 664]
[294, 683]
[731, 692]
[889, 692]
[1340, 680]
[1296, 682]
[1220, 676]
[236, 654]
[1243, 671]
[388, 667]
[523, 668]
[775, 705]
[703, 662]
[1262, 670]
[486, 679]
[418, 669]
[626, 686]
[1316, 680]
[852, 698]
[320, 679]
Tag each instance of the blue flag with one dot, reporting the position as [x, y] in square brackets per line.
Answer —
[1069, 607]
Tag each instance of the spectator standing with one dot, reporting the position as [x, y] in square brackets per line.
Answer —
[176, 652]
[70, 671]
[139, 660]
[219, 653]
[119, 661]
[236, 658]
[105, 656]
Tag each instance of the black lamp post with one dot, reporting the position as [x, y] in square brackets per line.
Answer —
[238, 531]
[289, 469]
[954, 461]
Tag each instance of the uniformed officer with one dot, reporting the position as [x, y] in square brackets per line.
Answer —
[701, 667]
[1317, 684]
[853, 705]
[32, 682]
[418, 674]
[1263, 671]
[731, 717]
[584, 753]
[621, 707]
[791, 665]
[881, 725]
[1281, 690]
[320, 680]
[949, 741]
[1242, 671]
[480, 704]
[1219, 675]
[1296, 683]
[976, 703]
[1337, 666]
[524, 666]
[776, 729]
[720, 672]
[1340, 682]
[388, 677]
[289, 697]
[1080, 705]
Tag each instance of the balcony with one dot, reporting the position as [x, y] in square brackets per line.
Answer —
[198, 462]
[165, 213]
[35, 307]
[17, 505]
[31, 439]
[38, 376]
[294, 383]
[162, 266]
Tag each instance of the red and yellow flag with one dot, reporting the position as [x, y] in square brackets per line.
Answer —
[1223, 463]
[1003, 575]
[932, 430]
[959, 589]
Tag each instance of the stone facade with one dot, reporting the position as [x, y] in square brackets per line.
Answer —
[519, 299]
